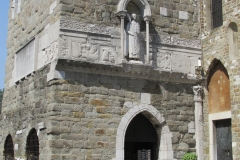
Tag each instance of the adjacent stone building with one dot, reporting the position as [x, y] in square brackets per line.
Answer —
[102, 79]
[220, 45]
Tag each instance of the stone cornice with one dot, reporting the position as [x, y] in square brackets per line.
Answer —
[138, 71]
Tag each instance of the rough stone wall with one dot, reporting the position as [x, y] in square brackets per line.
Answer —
[168, 22]
[25, 106]
[216, 46]
[86, 113]
[82, 114]
[34, 15]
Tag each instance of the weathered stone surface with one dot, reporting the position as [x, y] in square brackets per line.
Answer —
[81, 103]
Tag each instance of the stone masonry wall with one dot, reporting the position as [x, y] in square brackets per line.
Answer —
[216, 46]
[33, 18]
[87, 112]
[82, 113]
[177, 18]
[78, 117]
[185, 25]
[25, 106]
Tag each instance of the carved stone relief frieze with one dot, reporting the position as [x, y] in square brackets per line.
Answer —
[47, 55]
[91, 28]
[89, 52]
[88, 49]
[181, 63]
[64, 47]
[166, 39]
[108, 54]
[51, 52]
[164, 60]
[170, 61]
[84, 51]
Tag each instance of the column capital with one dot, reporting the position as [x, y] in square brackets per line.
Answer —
[147, 18]
[122, 14]
[197, 93]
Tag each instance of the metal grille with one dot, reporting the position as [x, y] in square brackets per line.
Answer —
[217, 19]
[8, 148]
[32, 146]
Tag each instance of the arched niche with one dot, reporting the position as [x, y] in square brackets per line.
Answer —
[142, 9]
[142, 4]
[32, 148]
[219, 89]
[233, 41]
[8, 152]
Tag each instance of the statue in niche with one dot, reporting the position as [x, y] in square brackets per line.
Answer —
[133, 44]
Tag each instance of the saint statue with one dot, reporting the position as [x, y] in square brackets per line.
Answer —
[133, 30]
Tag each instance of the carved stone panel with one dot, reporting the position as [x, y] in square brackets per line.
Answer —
[164, 60]
[64, 48]
[76, 50]
[180, 63]
[47, 55]
[91, 28]
[108, 54]
[89, 52]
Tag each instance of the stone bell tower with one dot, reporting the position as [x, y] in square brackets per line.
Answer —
[100, 79]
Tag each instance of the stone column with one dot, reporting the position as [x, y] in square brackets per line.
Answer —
[147, 19]
[199, 132]
[122, 15]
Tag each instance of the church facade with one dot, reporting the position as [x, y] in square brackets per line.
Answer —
[103, 79]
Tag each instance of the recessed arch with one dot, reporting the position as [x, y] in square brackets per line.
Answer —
[219, 89]
[233, 41]
[8, 148]
[32, 148]
[153, 115]
[142, 4]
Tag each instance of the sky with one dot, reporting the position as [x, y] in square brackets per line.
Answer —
[3, 37]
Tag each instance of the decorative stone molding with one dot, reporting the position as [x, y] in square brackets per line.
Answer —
[92, 28]
[166, 39]
[165, 148]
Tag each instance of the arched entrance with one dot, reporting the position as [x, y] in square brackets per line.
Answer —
[164, 150]
[140, 139]
[32, 149]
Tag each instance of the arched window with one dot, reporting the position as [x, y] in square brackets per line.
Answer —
[32, 149]
[233, 40]
[8, 148]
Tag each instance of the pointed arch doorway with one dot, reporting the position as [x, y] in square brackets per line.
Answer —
[219, 107]
[140, 139]
[164, 135]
